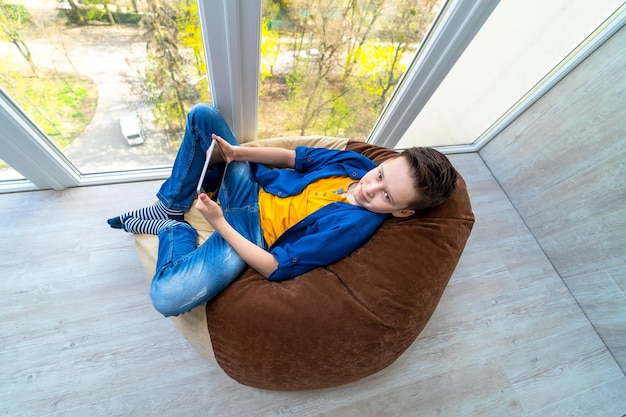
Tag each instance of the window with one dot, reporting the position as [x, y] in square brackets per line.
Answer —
[7, 173]
[328, 67]
[79, 84]
[518, 50]
[56, 135]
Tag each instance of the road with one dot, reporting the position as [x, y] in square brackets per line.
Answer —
[104, 53]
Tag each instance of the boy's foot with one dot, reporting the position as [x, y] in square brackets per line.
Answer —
[157, 211]
[148, 227]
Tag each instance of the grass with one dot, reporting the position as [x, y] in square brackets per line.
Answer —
[61, 104]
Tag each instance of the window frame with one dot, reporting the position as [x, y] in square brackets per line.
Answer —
[24, 147]
[232, 47]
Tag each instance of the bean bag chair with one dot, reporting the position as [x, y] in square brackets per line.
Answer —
[337, 324]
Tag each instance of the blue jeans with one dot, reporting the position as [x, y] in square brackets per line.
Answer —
[187, 275]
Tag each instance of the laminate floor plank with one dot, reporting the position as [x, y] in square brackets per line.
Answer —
[534, 370]
[605, 305]
[80, 336]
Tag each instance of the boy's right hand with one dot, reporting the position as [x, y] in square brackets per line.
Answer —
[267, 155]
[227, 150]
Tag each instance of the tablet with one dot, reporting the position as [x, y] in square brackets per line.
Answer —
[209, 152]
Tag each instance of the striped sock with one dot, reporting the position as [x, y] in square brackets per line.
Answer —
[157, 211]
[148, 227]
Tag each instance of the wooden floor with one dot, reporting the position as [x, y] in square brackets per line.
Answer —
[79, 336]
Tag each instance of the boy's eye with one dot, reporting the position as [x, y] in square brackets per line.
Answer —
[386, 196]
[379, 175]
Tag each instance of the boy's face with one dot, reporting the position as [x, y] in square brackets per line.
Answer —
[386, 189]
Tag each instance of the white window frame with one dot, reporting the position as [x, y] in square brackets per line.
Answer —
[23, 146]
[231, 33]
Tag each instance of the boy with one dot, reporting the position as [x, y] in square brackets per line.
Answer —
[321, 206]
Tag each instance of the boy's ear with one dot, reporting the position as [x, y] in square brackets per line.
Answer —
[403, 213]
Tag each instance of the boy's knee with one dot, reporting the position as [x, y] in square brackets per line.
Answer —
[166, 308]
[239, 168]
[165, 302]
[203, 110]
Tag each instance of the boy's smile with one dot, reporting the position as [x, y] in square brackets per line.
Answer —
[386, 189]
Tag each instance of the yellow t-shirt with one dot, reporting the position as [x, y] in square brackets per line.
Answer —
[280, 213]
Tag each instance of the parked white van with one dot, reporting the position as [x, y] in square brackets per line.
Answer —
[131, 129]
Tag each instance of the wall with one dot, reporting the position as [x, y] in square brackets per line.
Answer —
[563, 165]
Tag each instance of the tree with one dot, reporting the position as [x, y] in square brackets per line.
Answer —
[15, 20]
[166, 83]
[378, 64]
[75, 14]
[191, 38]
[270, 47]
[347, 59]
[105, 4]
[404, 28]
[326, 35]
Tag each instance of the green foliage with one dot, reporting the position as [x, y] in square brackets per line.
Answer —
[90, 11]
[346, 61]
[15, 14]
[270, 48]
[15, 21]
[127, 18]
[95, 15]
[61, 105]
[338, 81]
[167, 79]
[378, 69]
[190, 37]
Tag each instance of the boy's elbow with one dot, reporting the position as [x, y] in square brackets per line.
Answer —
[268, 268]
[290, 159]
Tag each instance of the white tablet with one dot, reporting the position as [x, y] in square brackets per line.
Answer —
[209, 152]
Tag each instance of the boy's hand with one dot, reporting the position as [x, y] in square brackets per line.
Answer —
[267, 155]
[209, 209]
[255, 256]
[227, 150]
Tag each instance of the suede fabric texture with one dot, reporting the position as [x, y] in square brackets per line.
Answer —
[338, 324]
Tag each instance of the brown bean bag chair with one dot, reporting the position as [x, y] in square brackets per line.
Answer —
[332, 325]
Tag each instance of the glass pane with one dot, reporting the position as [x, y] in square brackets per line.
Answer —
[112, 94]
[7, 173]
[328, 67]
[492, 75]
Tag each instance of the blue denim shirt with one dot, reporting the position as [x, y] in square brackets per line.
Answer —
[329, 234]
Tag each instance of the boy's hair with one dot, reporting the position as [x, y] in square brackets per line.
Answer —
[434, 177]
